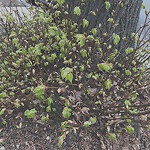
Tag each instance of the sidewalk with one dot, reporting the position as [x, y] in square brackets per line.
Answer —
[13, 6]
[13, 3]
[8, 3]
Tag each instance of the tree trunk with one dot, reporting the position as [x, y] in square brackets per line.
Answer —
[124, 12]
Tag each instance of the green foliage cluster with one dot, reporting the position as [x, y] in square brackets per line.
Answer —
[51, 70]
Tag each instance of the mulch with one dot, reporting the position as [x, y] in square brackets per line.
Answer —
[30, 135]
[20, 133]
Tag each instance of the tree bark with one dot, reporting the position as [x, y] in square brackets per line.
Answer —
[124, 12]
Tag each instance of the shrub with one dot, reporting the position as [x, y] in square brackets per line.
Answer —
[49, 69]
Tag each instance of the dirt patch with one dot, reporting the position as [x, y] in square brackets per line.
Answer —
[35, 136]
[30, 135]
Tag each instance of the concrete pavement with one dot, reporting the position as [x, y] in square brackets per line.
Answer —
[13, 6]
[12, 3]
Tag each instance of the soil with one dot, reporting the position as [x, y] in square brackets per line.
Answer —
[20, 133]
[30, 135]
[36, 136]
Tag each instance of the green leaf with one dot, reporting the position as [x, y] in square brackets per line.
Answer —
[37, 50]
[49, 101]
[39, 91]
[134, 69]
[30, 113]
[2, 111]
[134, 111]
[53, 31]
[104, 66]
[143, 6]
[133, 35]
[66, 112]
[108, 84]
[9, 18]
[60, 2]
[64, 124]
[77, 11]
[129, 50]
[133, 62]
[129, 129]
[3, 95]
[90, 37]
[13, 34]
[93, 13]
[83, 53]
[90, 122]
[128, 72]
[67, 103]
[23, 52]
[148, 127]
[69, 77]
[15, 41]
[62, 138]
[45, 118]
[134, 96]
[127, 103]
[96, 76]
[87, 124]
[82, 68]
[48, 109]
[110, 20]
[112, 136]
[94, 31]
[52, 57]
[80, 39]
[66, 73]
[85, 23]
[116, 39]
[90, 75]
[62, 43]
[93, 120]
[107, 5]
[60, 141]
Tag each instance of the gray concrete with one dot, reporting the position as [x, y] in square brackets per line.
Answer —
[7, 3]
[14, 10]
[16, 6]
[13, 6]
[141, 22]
